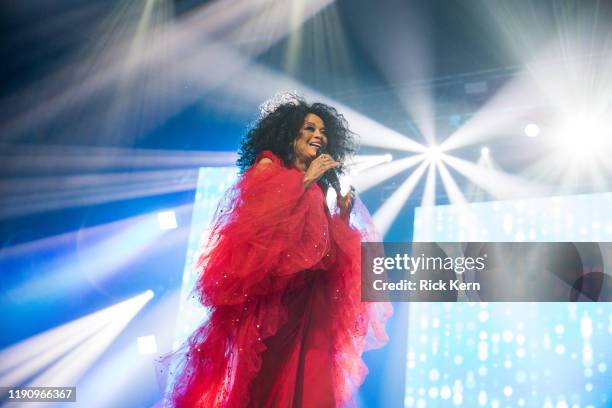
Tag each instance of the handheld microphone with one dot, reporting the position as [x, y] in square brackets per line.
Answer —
[331, 175]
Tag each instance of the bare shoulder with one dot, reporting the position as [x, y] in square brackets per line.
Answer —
[264, 160]
[263, 164]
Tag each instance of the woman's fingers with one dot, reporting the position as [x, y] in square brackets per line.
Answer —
[324, 157]
[327, 159]
[328, 164]
[322, 164]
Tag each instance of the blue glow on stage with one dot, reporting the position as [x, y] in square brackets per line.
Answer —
[212, 185]
[512, 354]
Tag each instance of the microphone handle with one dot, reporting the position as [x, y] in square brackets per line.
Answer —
[331, 176]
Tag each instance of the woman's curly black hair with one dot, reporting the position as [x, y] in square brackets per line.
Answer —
[277, 130]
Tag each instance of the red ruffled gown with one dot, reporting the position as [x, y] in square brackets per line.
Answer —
[281, 279]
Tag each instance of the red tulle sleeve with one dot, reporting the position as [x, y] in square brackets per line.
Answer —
[269, 228]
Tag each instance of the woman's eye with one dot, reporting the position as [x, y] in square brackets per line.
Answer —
[310, 129]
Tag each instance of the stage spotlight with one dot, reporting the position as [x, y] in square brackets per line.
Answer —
[388, 157]
[582, 136]
[433, 154]
[63, 354]
[147, 344]
[385, 215]
[148, 295]
[532, 130]
[376, 175]
[484, 152]
[167, 220]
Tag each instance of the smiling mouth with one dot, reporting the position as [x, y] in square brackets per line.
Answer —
[316, 145]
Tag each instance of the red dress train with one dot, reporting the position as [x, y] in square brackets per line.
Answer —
[281, 279]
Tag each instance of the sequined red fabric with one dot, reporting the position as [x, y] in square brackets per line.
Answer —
[281, 279]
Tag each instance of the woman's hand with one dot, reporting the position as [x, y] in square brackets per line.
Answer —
[345, 204]
[318, 167]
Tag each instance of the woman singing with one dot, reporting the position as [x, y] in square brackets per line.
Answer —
[281, 275]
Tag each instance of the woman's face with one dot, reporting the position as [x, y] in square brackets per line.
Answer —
[310, 139]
